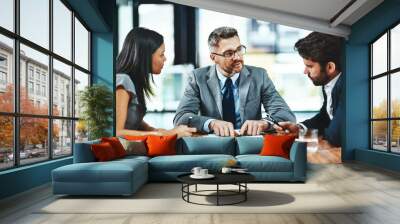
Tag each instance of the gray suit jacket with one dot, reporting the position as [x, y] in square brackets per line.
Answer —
[202, 99]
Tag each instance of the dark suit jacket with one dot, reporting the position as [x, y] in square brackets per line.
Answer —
[330, 129]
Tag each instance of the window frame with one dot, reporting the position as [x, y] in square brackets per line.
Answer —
[16, 115]
[388, 74]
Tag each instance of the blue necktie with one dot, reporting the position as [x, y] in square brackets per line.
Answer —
[228, 103]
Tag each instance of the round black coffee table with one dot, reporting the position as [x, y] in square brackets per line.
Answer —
[238, 179]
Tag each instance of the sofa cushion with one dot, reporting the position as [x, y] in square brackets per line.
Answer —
[112, 171]
[206, 145]
[185, 163]
[83, 152]
[257, 163]
[249, 145]
[128, 159]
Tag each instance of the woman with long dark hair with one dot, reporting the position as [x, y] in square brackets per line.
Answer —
[142, 55]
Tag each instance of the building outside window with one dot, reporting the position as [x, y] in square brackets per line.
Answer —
[30, 72]
[30, 87]
[38, 89]
[3, 78]
[3, 61]
[43, 90]
[385, 92]
[3, 72]
[43, 77]
[37, 74]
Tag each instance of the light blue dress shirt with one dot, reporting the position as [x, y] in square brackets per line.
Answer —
[235, 82]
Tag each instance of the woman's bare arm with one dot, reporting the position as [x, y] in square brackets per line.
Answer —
[123, 98]
[146, 127]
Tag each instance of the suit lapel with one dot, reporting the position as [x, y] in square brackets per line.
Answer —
[336, 93]
[215, 88]
[244, 84]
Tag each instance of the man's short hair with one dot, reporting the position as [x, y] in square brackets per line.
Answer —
[220, 33]
[321, 48]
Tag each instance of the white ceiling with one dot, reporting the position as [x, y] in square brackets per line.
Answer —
[315, 15]
[320, 9]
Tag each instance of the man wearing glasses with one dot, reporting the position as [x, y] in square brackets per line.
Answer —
[227, 96]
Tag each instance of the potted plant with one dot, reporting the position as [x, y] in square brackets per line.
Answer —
[96, 104]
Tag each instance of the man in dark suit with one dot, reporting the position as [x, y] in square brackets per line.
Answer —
[322, 56]
[228, 95]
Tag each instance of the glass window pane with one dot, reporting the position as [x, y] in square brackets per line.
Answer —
[62, 141]
[81, 45]
[6, 142]
[35, 21]
[125, 24]
[162, 23]
[62, 29]
[379, 135]
[209, 20]
[379, 55]
[81, 131]
[81, 81]
[395, 47]
[7, 14]
[62, 89]
[33, 139]
[395, 138]
[34, 97]
[6, 74]
[379, 98]
[395, 94]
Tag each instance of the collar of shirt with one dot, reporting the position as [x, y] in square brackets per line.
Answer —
[329, 86]
[223, 78]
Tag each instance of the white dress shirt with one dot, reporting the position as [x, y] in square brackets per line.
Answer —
[328, 91]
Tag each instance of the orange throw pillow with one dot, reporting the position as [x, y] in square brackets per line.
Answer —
[103, 151]
[161, 145]
[277, 145]
[116, 145]
[135, 138]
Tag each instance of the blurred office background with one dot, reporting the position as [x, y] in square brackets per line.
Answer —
[186, 31]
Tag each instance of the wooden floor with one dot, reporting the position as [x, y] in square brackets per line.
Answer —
[326, 154]
[378, 189]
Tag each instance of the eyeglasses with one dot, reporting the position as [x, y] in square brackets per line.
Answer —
[229, 54]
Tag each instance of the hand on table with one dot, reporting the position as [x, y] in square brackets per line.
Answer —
[181, 131]
[253, 127]
[222, 128]
[287, 126]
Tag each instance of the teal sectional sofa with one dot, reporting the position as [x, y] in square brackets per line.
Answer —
[125, 176]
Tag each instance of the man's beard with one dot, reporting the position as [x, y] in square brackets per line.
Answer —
[231, 68]
[323, 79]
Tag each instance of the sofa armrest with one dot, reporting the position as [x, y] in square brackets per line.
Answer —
[298, 155]
[83, 152]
